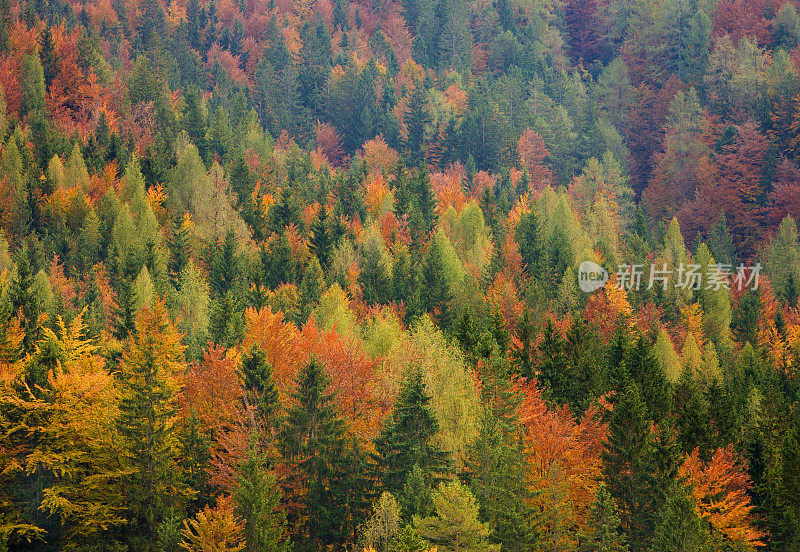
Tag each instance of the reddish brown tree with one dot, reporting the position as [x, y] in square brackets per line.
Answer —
[731, 182]
[532, 153]
[740, 18]
[330, 143]
[785, 196]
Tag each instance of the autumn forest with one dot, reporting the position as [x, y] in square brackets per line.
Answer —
[399, 275]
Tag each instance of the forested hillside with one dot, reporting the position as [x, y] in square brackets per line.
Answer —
[399, 275]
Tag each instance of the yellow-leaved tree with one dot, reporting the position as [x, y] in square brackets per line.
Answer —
[71, 419]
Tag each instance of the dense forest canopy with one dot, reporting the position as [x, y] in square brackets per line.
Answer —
[399, 275]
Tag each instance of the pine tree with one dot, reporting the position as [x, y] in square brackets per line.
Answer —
[406, 440]
[149, 370]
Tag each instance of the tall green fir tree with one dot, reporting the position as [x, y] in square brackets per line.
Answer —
[147, 411]
[406, 441]
[328, 469]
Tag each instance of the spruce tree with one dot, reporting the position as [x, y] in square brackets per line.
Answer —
[523, 355]
[679, 527]
[22, 298]
[406, 281]
[147, 409]
[605, 532]
[647, 372]
[417, 117]
[262, 399]
[327, 467]
[284, 212]
[178, 252]
[694, 425]
[634, 466]
[402, 190]
[321, 241]
[436, 295]
[527, 234]
[498, 468]
[780, 489]
[311, 287]
[194, 459]
[555, 370]
[406, 440]
[261, 393]
[374, 276]
[258, 501]
[425, 201]
[278, 263]
[225, 266]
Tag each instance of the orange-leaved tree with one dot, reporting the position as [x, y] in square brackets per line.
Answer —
[564, 457]
[720, 490]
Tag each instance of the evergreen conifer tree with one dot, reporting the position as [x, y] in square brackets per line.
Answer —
[605, 532]
[258, 501]
[406, 440]
[636, 468]
[436, 294]
[147, 411]
[326, 465]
